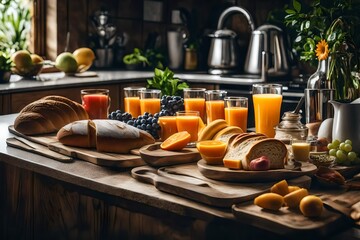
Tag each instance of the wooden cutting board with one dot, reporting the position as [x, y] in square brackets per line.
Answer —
[154, 156]
[90, 155]
[289, 222]
[219, 172]
[186, 181]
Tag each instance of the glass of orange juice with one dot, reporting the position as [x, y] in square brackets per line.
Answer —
[236, 111]
[267, 99]
[168, 126]
[96, 102]
[300, 149]
[188, 121]
[132, 100]
[215, 104]
[194, 100]
[149, 101]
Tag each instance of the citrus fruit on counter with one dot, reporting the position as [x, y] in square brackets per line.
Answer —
[66, 62]
[176, 142]
[22, 61]
[36, 59]
[84, 57]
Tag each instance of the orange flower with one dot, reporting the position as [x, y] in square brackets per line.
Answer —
[322, 50]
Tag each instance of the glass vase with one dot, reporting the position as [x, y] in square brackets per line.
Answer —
[319, 79]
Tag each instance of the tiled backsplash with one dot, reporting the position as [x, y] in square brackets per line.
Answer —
[140, 18]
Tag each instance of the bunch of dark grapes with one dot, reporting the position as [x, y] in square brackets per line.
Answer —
[170, 105]
[146, 122]
[120, 116]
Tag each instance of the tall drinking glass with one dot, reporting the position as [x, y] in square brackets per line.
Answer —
[150, 101]
[96, 102]
[267, 99]
[132, 100]
[194, 100]
[188, 121]
[215, 105]
[236, 111]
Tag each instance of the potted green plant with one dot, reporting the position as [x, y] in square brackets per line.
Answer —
[5, 67]
[135, 60]
[328, 30]
[165, 81]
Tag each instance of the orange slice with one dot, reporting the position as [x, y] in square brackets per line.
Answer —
[176, 142]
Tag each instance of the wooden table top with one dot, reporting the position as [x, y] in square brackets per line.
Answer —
[115, 182]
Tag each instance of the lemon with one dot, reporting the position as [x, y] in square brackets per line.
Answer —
[84, 57]
[66, 62]
[22, 61]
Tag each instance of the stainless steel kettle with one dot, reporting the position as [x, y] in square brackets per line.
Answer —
[224, 50]
[268, 39]
[223, 57]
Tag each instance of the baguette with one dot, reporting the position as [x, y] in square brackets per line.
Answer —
[106, 135]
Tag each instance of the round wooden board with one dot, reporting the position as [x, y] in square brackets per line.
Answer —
[219, 172]
[154, 156]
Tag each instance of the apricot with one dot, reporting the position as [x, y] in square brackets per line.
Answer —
[293, 199]
[271, 201]
[311, 206]
[280, 188]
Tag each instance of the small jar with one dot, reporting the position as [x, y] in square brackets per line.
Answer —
[291, 128]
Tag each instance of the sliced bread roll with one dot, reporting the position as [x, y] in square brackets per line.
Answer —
[106, 135]
[235, 154]
[274, 149]
[78, 134]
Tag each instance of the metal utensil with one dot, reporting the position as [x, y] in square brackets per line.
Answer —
[299, 105]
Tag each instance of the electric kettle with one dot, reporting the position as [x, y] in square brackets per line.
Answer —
[270, 40]
[224, 50]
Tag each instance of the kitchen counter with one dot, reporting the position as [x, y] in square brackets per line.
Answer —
[47, 199]
[59, 79]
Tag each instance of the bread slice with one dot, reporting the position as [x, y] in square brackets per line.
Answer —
[235, 153]
[77, 134]
[226, 131]
[274, 149]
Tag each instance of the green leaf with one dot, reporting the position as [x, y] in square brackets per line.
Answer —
[297, 5]
[165, 81]
[290, 11]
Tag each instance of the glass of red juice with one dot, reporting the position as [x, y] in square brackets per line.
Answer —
[96, 102]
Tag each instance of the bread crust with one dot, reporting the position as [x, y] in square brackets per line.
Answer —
[30, 122]
[246, 147]
[56, 111]
[106, 135]
[78, 108]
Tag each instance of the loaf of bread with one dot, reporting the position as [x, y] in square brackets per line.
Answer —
[48, 115]
[246, 147]
[105, 135]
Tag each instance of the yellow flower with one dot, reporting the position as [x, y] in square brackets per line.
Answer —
[322, 50]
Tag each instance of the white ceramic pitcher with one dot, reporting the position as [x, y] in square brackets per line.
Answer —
[347, 122]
